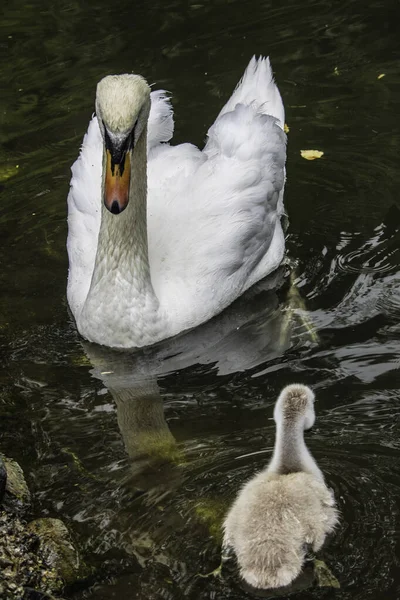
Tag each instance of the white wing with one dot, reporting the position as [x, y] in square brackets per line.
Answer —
[214, 216]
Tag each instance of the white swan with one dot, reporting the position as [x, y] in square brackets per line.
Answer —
[161, 238]
[285, 507]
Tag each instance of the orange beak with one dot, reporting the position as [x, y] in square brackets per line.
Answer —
[117, 181]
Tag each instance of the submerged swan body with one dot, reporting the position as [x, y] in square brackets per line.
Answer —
[161, 238]
[285, 507]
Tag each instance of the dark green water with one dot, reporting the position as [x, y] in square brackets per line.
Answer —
[135, 470]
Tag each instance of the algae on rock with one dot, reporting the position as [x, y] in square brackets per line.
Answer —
[56, 547]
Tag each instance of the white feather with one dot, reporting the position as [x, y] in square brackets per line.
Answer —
[161, 119]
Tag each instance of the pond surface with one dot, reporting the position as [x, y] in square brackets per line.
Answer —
[140, 455]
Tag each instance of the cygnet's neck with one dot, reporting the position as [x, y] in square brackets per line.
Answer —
[121, 295]
[291, 454]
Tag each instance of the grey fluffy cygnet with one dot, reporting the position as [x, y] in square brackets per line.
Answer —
[285, 507]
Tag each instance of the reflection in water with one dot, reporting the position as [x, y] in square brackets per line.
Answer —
[150, 445]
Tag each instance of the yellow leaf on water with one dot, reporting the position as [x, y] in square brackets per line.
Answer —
[336, 71]
[286, 128]
[311, 154]
[381, 75]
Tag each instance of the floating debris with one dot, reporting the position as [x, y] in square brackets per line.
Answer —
[286, 128]
[381, 75]
[311, 154]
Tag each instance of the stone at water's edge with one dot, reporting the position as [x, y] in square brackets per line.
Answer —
[39, 555]
[3, 479]
[16, 484]
[56, 548]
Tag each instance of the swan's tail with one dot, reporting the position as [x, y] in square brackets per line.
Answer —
[257, 88]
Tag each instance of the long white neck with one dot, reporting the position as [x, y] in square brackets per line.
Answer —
[291, 454]
[121, 306]
[122, 244]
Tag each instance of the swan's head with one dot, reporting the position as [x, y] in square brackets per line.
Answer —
[295, 405]
[122, 108]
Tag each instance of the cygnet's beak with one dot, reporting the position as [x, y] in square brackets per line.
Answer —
[118, 173]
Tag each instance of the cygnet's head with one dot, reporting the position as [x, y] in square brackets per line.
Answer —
[295, 404]
[122, 108]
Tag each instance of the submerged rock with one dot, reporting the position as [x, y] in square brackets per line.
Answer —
[56, 548]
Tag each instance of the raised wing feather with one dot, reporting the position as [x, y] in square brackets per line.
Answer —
[160, 127]
[257, 87]
[215, 215]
